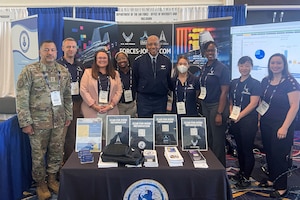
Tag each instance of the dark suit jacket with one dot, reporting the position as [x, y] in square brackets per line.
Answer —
[144, 79]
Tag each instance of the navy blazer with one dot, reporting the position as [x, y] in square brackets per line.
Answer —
[144, 79]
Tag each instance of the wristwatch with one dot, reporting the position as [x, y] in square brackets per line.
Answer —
[111, 106]
[219, 113]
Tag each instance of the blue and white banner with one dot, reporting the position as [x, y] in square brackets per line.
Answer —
[24, 43]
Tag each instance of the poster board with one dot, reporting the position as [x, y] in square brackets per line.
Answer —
[142, 133]
[194, 133]
[166, 133]
[117, 129]
[89, 134]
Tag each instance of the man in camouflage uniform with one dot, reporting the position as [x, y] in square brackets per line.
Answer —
[44, 107]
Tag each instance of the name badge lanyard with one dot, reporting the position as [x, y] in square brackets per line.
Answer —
[130, 80]
[78, 70]
[205, 78]
[234, 95]
[181, 110]
[100, 86]
[55, 94]
[47, 81]
[273, 92]
[184, 93]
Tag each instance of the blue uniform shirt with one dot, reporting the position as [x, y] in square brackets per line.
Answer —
[213, 77]
[188, 92]
[240, 92]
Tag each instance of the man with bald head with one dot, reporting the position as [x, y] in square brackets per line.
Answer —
[152, 74]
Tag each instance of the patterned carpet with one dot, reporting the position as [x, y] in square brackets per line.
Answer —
[257, 193]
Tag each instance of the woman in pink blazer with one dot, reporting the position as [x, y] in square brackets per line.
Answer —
[100, 88]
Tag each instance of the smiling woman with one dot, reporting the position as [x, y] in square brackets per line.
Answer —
[100, 89]
[278, 109]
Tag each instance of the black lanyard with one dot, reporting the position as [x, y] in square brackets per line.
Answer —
[205, 78]
[130, 78]
[234, 94]
[184, 92]
[100, 86]
[78, 69]
[273, 92]
[45, 75]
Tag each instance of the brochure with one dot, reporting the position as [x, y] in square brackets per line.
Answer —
[88, 134]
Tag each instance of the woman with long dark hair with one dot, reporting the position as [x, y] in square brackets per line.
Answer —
[278, 109]
[100, 88]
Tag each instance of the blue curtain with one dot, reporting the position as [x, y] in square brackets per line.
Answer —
[51, 24]
[105, 13]
[238, 13]
[15, 160]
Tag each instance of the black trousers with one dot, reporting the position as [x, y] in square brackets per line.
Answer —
[244, 133]
[71, 130]
[147, 105]
[277, 151]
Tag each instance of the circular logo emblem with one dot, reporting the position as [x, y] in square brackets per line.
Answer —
[146, 189]
[24, 41]
[259, 54]
[141, 144]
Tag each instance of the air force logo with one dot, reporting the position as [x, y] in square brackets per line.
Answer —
[146, 189]
[127, 38]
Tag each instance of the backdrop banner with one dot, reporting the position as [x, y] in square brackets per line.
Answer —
[175, 38]
[24, 43]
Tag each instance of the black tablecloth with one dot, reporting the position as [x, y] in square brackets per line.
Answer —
[87, 182]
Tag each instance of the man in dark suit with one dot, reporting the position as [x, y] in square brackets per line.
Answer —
[152, 74]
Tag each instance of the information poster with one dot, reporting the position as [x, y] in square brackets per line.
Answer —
[194, 133]
[117, 129]
[89, 134]
[133, 38]
[142, 133]
[189, 38]
[166, 133]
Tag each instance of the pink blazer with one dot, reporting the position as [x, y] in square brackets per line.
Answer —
[89, 93]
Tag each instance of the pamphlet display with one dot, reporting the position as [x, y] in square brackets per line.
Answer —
[173, 157]
[194, 133]
[142, 133]
[117, 129]
[150, 158]
[85, 156]
[166, 133]
[198, 159]
[89, 134]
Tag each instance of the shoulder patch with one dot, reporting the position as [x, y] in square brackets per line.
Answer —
[20, 83]
[138, 57]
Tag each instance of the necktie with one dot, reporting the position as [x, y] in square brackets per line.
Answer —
[154, 67]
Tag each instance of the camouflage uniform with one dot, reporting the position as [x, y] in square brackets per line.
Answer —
[34, 107]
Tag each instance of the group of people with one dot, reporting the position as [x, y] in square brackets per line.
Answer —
[52, 94]
[272, 107]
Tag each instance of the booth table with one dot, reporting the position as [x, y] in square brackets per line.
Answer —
[88, 182]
